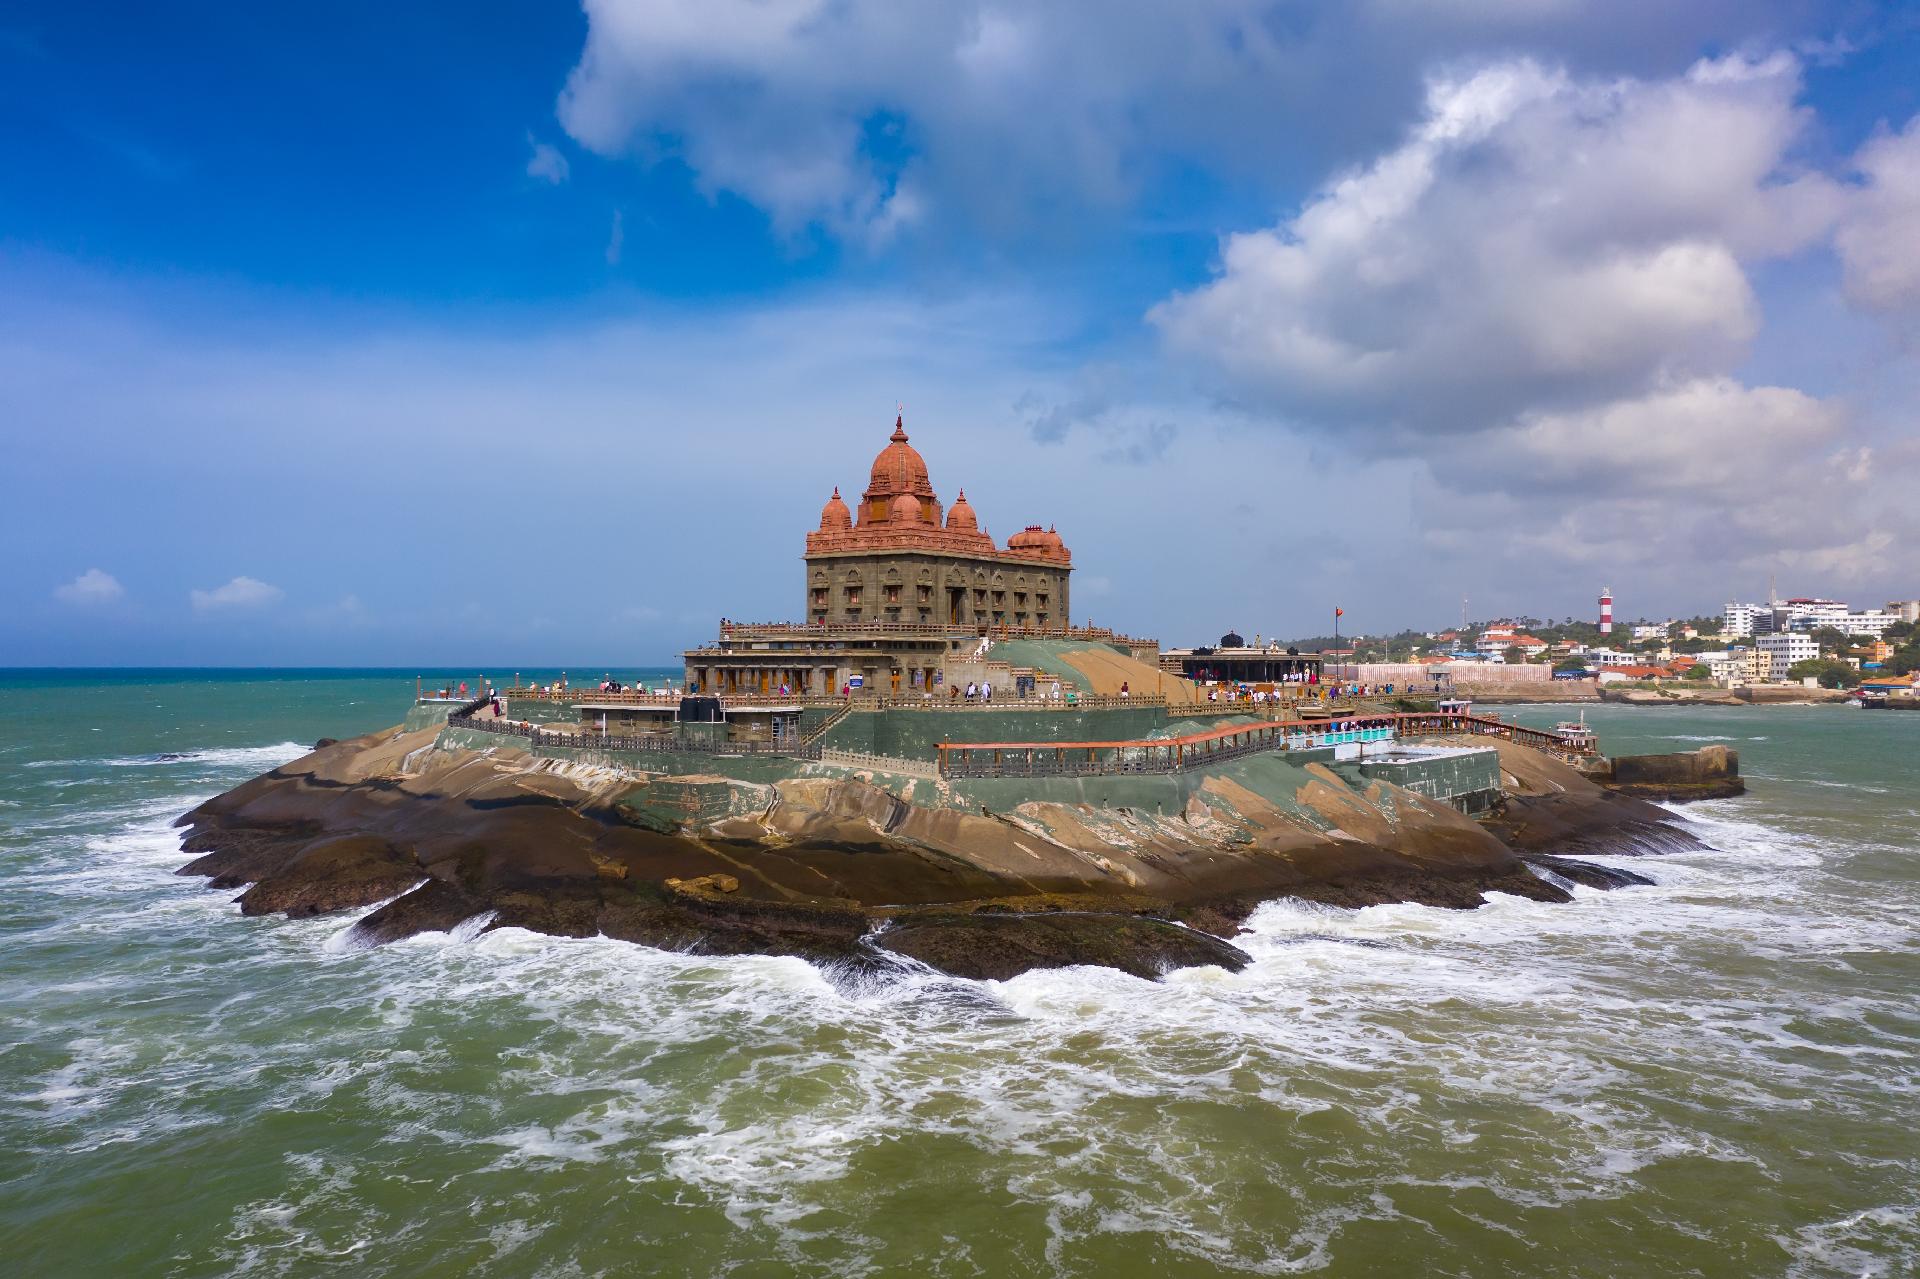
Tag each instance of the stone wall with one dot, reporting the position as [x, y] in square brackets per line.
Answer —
[919, 587]
[1466, 779]
[917, 734]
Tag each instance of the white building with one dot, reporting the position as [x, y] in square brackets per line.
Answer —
[1656, 630]
[1736, 620]
[1784, 650]
[1873, 622]
[1604, 657]
[1810, 614]
[1905, 610]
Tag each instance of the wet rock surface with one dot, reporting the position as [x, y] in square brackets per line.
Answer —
[835, 869]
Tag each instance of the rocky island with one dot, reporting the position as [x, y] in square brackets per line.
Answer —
[932, 766]
[835, 862]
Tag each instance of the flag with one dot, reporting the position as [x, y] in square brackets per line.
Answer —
[1339, 612]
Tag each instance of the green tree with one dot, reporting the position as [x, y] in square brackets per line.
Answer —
[1830, 673]
[1571, 664]
[1699, 671]
[1831, 639]
[1515, 655]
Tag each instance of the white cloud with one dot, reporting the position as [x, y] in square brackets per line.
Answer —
[546, 163]
[239, 594]
[616, 238]
[91, 587]
[1879, 240]
[865, 116]
[1537, 242]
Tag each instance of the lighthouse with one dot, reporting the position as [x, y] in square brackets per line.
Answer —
[1606, 610]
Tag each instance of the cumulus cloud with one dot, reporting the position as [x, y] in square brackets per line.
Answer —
[866, 116]
[91, 587]
[1542, 293]
[242, 593]
[1538, 241]
[1877, 239]
[546, 163]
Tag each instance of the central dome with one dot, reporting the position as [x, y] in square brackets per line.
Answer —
[899, 468]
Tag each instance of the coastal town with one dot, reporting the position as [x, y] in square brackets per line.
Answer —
[1800, 648]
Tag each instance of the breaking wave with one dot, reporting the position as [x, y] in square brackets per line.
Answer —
[1376, 1081]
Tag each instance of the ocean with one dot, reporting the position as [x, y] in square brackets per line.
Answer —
[1717, 1074]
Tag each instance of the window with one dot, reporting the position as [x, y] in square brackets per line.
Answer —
[893, 595]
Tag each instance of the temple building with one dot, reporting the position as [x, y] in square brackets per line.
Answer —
[897, 559]
[896, 589]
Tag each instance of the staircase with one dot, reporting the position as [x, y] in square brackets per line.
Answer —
[820, 730]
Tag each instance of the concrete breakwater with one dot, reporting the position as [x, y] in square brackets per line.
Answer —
[1712, 772]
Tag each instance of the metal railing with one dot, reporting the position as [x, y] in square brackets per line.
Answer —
[1200, 750]
[659, 742]
[820, 729]
[667, 700]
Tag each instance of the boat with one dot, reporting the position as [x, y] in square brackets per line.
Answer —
[1575, 733]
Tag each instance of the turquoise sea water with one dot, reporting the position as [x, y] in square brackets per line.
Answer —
[1714, 1075]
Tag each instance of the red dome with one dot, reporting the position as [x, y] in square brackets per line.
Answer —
[905, 509]
[1030, 538]
[960, 516]
[834, 516]
[899, 468]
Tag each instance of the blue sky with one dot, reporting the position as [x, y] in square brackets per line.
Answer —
[480, 333]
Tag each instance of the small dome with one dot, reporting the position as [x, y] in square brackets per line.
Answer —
[960, 516]
[905, 509]
[1030, 538]
[1053, 539]
[834, 516]
[1232, 639]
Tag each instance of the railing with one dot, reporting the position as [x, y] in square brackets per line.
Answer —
[783, 630]
[1006, 701]
[661, 742]
[667, 700]
[820, 729]
[879, 763]
[1438, 723]
[1200, 750]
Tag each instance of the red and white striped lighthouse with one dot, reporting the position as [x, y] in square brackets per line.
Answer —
[1606, 610]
